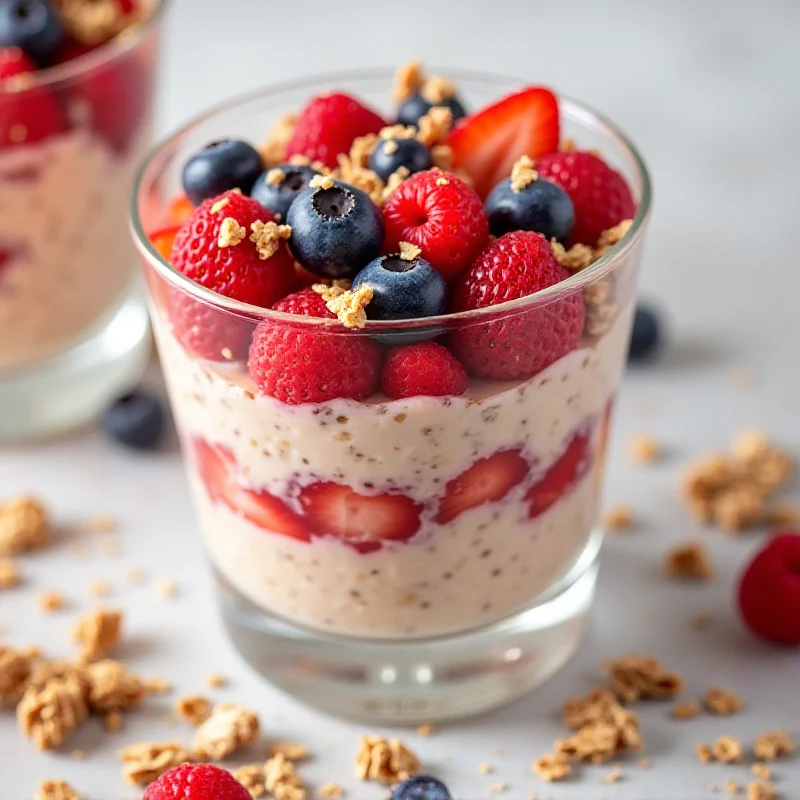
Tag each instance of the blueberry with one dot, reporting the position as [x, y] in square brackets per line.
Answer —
[541, 206]
[219, 167]
[33, 26]
[336, 229]
[277, 196]
[645, 335]
[417, 106]
[420, 787]
[390, 154]
[136, 420]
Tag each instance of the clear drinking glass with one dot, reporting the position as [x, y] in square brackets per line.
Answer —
[477, 607]
[72, 309]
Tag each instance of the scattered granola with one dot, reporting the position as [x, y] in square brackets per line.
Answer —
[761, 791]
[332, 791]
[427, 729]
[98, 633]
[721, 702]
[615, 776]
[618, 518]
[282, 780]
[15, 668]
[112, 688]
[156, 686]
[267, 237]
[689, 561]
[9, 574]
[634, 677]
[145, 762]
[99, 588]
[772, 745]
[523, 174]
[273, 150]
[578, 257]
[252, 777]
[321, 182]
[437, 89]
[732, 787]
[23, 526]
[393, 181]
[166, 589]
[761, 771]
[485, 769]
[55, 790]
[290, 751]
[498, 788]
[228, 728]
[432, 129]
[387, 761]
[408, 80]
[51, 601]
[644, 449]
[552, 767]
[48, 714]
[728, 750]
[704, 754]
[360, 177]
[113, 721]
[216, 681]
[687, 710]
[408, 251]
[347, 304]
[194, 708]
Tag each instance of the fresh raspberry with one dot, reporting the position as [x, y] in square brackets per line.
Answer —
[426, 369]
[769, 591]
[523, 343]
[441, 215]
[600, 195]
[328, 125]
[196, 782]
[296, 366]
[237, 271]
[29, 115]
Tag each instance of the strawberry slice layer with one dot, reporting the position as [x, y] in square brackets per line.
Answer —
[562, 476]
[486, 481]
[362, 521]
[216, 467]
[487, 144]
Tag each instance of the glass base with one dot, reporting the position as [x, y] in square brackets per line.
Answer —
[73, 387]
[420, 680]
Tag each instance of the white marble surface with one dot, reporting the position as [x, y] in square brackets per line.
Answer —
[709, 91]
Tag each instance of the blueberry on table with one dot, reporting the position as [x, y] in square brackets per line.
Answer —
[417, 106]
[136, 420]
[391, 154]
[278, 186]
[33, 26]
[420, 787]
[645, 334]
[336, 228]
[220, 167]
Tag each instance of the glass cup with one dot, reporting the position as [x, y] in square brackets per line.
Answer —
[72, 309]
[471, 606]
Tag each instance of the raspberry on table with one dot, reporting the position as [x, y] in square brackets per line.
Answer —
[196, 782]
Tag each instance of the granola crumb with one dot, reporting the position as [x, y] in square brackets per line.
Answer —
[291, 751]
[331, 791]
[687, 710]
[273, 150]
[156, 686]
[615, 776]
[321, 182]
[220, 204]
[384, 760]
[251, 776]
[634, 677]
[523, 174]
[761, 791]
[99, 588]
[618, 518]
[112, 688]
[408, 80]
[393, 181]
[643, 763]
[55, 790]
[721, 702]
[485, 769]
[701, 620]
[427, 729]
[166, 589]
[194, 708]
[216, 681]
[432, 129]
[49, 712]
[578, 257]
[231, 233]
[498, 788]
[51, 601]
[9, 574]
[732, 787]
[408, 251]
[98, 633]
[644, 448]
[145, 762]
[728, 750]
[134, 576]
[282, 780]
[15, 668]
[761, 771]
[704, 754]
[689, 561]
[390, 147]
[442, 181]
[24, 525]
[611, 236]
[275, 176]
[267, 237]
[228, 728]
[113, 721]
[552, 767]
[348, 305]
[437, 89]
[772, 745]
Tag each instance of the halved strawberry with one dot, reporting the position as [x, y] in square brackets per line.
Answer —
[487, 143]
[362, 521]
[561, 476]
[216, 465]
[486, 481]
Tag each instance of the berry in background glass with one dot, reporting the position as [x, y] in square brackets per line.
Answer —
[33, 26]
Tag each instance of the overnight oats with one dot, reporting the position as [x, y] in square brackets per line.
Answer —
[76, 83]
[392, 340]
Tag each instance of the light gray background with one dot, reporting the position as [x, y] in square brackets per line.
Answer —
[709, 90]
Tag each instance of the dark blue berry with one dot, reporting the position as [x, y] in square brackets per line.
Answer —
[645, 335]
[391, 154]
[33, 26]
[336, 231]
[277, 197]
[220, 167]
[136, 420]
[420, 787]
[541, 206]
[417, 106]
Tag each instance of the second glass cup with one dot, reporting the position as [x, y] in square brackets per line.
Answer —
[354, 569]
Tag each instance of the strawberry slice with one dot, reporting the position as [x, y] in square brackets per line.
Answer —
[362, 521]
[163, 239]
[216, 465]
[487, 143]
[486, 481]
[180, 209]
[561, 476]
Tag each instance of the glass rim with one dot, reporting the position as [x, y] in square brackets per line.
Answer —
[573, 283]
[99, 57]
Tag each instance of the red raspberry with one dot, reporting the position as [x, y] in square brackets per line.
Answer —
[237, 271]
[769, 591]
[599, 193]
[30, 115]
[297, 366]
[524, 343]
[441, 215]
[328, 125]
[196, 782]
[426, 368]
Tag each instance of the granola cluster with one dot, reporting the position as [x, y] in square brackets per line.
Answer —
[98, 633]
[145, 762]
[634, 677]
[348, 305]
[55, 790]
[689, 561]
[24, 525]
[228, 728]
[384, 760]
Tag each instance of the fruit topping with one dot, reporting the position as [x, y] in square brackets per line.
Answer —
[599, 194]
[33, 26]
[488, 143]
[231, 245]
[219, 167]
[417, 94]
[645, 334]
[277, 187]
[424, 369]
[336, 228]
[196, 782]
[136, 420]
[420, 787]
[304, 364]
[518, 346]
[526, 202]
[390, 155]
[327, 126]
[442, 216]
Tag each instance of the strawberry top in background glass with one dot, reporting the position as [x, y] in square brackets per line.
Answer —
[76, 88]
[392, 333]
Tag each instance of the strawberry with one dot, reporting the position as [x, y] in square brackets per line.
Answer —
[524, 342]
[180, 209]
[599, 194]
[327, 126]
[561, 476]
[237, 271]
[163, 240]
[362, 521]
[426, 369]
[487, 144]
[196, 782]
[216, 467]
[486, 481]
[27, 115]
[440, 214]
[304, 364]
